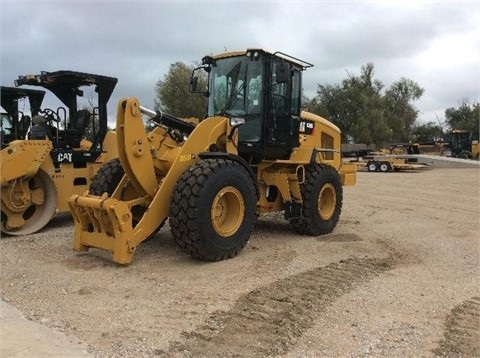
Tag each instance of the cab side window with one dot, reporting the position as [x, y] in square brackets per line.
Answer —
[296, 93]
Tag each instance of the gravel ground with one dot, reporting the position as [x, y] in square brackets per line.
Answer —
[398, 277]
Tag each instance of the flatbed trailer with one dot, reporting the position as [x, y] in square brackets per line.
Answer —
[390, 163]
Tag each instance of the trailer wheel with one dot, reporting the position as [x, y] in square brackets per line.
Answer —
[107, 178]
[372, 166]
[213, 209]
[384, 167]
[322, 196]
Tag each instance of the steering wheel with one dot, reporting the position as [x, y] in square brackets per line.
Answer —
[50, 115]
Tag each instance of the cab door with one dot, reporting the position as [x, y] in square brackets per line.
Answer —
[282, 118]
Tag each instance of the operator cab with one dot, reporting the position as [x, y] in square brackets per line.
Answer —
[461, 143]
[14, 122]
[66, 128]
[264, 90]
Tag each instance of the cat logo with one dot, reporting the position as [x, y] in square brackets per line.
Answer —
[64, 157]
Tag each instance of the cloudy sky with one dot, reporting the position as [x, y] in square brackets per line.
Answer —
[434, 43]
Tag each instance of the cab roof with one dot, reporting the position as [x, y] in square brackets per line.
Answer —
[284, 56]
[66, 84]
[10, 95]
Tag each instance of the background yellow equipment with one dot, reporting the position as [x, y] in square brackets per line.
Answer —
[44, 167]
[463, 144]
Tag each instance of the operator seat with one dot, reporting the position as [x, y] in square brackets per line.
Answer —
[78, 126]
[23, 125]
[40, 129]
[81, 122]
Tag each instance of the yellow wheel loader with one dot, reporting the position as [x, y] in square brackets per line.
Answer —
[40, 172]
[255, 152]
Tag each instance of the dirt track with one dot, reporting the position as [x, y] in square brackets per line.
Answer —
[398, 277]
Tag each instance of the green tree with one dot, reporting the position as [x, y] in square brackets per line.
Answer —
[173, 95]
[427, 133]
[367, 113]
[355, 106]
[465, 117]
[400, 113]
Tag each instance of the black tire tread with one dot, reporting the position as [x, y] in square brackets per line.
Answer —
[309, 222]
[184, 210]
[107, 178]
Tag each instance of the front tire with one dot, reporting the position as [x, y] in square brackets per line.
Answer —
[322, 196]
[213, 209]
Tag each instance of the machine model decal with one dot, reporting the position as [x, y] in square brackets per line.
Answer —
[306, 127]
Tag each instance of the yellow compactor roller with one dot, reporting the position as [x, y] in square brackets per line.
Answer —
[255, 152]
[52, 159]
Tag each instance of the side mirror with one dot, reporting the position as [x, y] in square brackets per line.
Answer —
[193, 84]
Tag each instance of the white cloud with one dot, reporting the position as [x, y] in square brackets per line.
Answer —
[433, 43]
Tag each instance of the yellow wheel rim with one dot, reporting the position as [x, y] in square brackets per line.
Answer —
[327, 201]
[227, 211]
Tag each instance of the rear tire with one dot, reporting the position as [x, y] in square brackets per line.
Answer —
[465, 154]
[213, 209]
[322, 196]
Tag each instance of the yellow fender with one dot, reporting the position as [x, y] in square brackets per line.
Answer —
[22, 159]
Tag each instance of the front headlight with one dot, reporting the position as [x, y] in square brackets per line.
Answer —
[236, 121]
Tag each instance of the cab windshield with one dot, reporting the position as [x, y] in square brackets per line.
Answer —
[235, 87]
